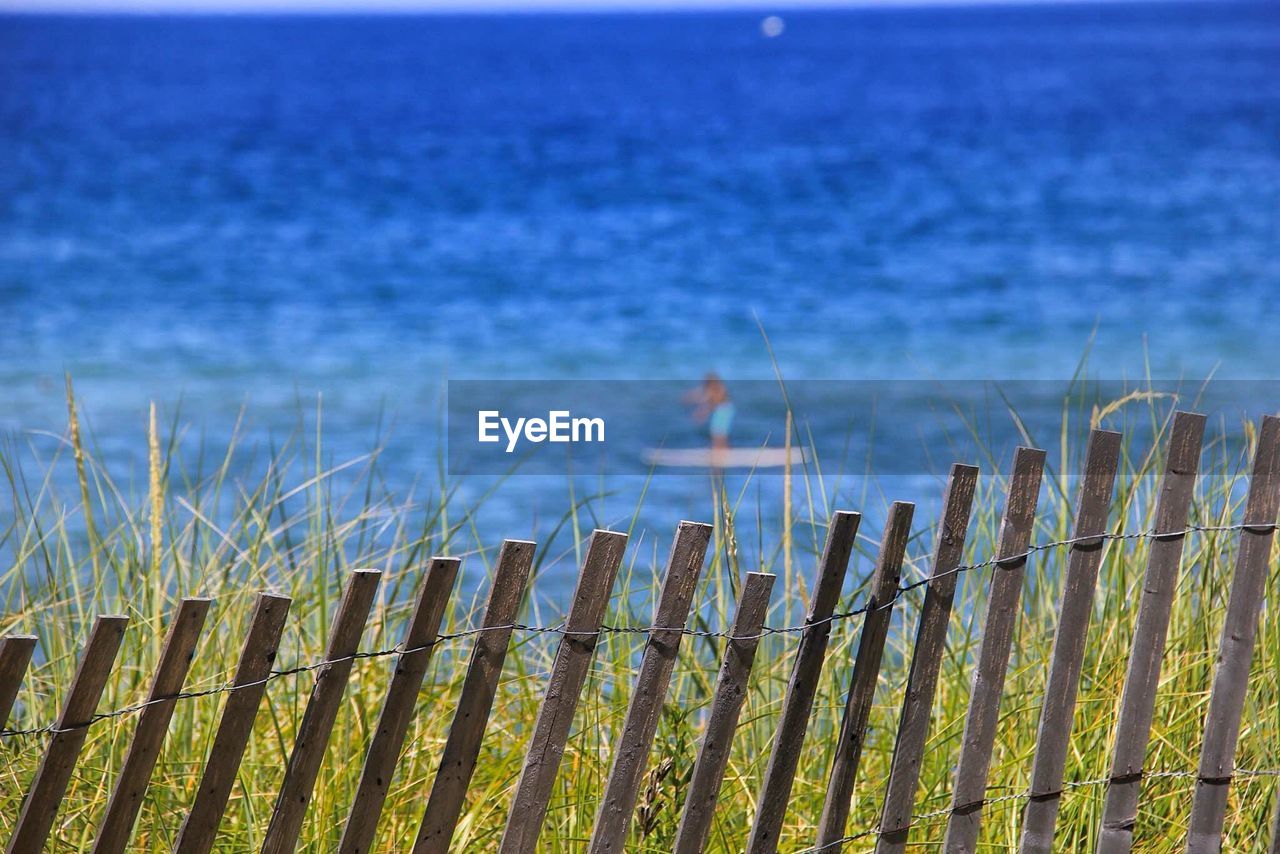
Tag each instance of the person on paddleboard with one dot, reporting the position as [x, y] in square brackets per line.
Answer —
[713, 407]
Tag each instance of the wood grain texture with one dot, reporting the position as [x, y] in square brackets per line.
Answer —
[322, 710]
[1053, 737]
[726, 705]
[1274, 848]
[462, 747]
[200, 827]
[45, 793]
[1160, 581]
[15, 655]
[866, 669]
[788, 741]
[631, 754]
[926, 662]
[568, 674]
[397, 711]
[1003, 598]
[1235, 650]
[153, 724]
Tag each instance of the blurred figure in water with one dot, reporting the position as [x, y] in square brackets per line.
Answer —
[713, 407]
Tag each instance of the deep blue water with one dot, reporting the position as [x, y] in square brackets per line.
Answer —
[255, 211]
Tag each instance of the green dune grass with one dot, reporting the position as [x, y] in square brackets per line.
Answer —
[299, 525]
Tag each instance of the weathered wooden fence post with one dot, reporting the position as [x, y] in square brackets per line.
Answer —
[970, 786]
[568, 674]
[45, 793]
[462, 747]
[631, 755]
[926, 661]
[322, 710]
[397, 712]
[1235, 651]
[15, 655]
[247, 687]
[1054, 734]
[883, 592]
[153, 724]
[788, 741]
[1275, 824]
[726, 705]
[1159, 583]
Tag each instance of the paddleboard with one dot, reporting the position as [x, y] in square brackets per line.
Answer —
[723, 458]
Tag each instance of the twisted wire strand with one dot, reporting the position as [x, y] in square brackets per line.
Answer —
[561, 630]
[928, 819]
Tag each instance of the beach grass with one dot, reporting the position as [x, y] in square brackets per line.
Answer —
[78, 542]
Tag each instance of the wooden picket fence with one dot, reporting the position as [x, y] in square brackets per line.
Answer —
[583, 626]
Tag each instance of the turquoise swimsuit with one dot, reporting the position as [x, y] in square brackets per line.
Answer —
[720, 421]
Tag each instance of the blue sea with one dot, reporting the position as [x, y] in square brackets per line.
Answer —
[286, 215]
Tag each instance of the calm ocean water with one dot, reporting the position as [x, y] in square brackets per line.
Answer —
[256, 211]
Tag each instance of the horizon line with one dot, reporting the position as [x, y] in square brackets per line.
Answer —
[344, 8]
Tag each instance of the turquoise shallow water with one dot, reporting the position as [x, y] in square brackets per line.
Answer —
[258, 211]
